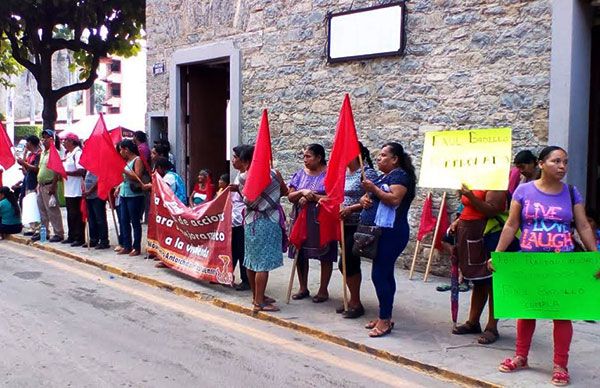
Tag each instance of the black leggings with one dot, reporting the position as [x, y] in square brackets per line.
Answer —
[10, 229]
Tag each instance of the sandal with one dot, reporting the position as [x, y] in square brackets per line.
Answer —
[268, 307]
[123, 251]
[560, 376]
[373, 323]
[464, 287]
[443, 287]
[134, 252]
[301, 295]
[377, 332]
[513, 364]
[467, 328]
[269, 300]
[488, 337]
[320, 299]
[354, 312]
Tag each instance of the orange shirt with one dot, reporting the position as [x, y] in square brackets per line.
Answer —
[469, 212]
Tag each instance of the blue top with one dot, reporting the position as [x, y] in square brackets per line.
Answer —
[126, 185]
[394, 177]
[7, 213]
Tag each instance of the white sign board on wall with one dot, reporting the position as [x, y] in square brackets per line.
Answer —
[366, 33]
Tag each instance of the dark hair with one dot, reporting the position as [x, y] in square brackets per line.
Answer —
[591, 213]
[10, 197]
[224, 178]
[365, 154]
[525, 157]
[163, 163]
[317, 150]
[548, 150]
[404, 159]
[33, 139]
[130, 146]
[140, 136]
[161, 150]
[244, 152]
[207, 172]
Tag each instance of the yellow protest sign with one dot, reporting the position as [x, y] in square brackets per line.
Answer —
[479, 158]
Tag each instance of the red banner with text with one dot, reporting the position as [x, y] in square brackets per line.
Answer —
[195, 241]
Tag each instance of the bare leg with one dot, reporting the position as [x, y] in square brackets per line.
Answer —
[260, 282]
[303, 275]
[353, 283]
[326, 270]
[252, 282]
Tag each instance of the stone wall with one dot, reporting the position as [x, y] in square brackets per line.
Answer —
[468, 64]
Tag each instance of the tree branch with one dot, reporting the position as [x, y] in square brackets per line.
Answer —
[73, 45]
[14, 45]
[60, 93]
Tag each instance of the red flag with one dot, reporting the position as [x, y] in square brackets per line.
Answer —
[298, 233]
[345, 149]
[100, 157]
[84, 210]
[428, 221]
[7, 159]
[444, 225]
[259, 173]
[116, 135]
[54, 162]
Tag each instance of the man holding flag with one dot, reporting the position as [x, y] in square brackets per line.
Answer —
[48, 175]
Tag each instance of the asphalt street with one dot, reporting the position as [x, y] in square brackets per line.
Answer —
[66, 324]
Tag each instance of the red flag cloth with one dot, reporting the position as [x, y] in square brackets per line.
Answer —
[7, 159]
[100, 157]
[54, 162]
[259, 173]
[84, 210]
[428, 221]
[345, 149]
[298, 233]
[444, 225]
[116, 135]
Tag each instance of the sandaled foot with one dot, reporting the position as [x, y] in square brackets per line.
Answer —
[560, 376]
[467, 328]
[269, 300]
[134, 252]
[373, 323]
[320, 298]
[268, 307]
[354, 312]
[380, 332]
[301, 295]
[123, 251]
[513, 364]
[488, 337]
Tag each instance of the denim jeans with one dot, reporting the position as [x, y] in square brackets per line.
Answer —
[131, 210]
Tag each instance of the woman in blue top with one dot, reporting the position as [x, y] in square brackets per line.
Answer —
[131, 199]
[10, 214]
[395, 189]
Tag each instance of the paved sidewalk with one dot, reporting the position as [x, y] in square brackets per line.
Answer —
[421, 336]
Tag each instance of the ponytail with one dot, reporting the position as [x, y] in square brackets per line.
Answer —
[404, 159]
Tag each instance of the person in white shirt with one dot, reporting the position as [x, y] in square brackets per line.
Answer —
[73, 191]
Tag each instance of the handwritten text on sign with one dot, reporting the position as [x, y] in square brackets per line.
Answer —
[480, 158]
[546, 285]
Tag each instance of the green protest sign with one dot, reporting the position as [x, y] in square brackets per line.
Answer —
[546, 285]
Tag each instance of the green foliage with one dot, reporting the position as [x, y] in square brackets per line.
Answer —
[22, 131]
[8, 65]
[2, 118]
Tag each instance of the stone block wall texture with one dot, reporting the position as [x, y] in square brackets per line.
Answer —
[468, 64]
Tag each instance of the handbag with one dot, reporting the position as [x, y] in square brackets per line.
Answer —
[366, 241]
[136, 186]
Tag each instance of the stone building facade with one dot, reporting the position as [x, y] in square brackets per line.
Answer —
[467, 64]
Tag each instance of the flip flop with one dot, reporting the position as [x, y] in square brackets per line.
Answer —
[267, 307]
[301, 295]
[320, 299]
[377, 332]
[467, 328]
[443, 287]
[488, 337]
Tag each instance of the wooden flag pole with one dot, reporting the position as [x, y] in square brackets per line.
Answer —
[414, 260]
[435, 234]
[87, 232]
[291, 284]
[344, 277]
[112, 210]
[362, 166]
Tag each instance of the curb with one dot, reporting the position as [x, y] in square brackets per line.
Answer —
[205, 297]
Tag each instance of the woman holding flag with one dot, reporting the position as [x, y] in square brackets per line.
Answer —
[544, 209]
[386, 205]
[306, 189]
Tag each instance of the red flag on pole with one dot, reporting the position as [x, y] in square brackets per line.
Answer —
[7, 159]
[259, 173]
[427, 224]
[345, 149]
[84, 210]
[116, 135]
[298, 233]
[100, 157]
[54, 162]
[444, 225]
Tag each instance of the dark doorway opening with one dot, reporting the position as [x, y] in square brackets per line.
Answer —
[593, 173]
[205, 95]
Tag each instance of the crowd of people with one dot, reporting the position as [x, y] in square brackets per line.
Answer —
[376, 202]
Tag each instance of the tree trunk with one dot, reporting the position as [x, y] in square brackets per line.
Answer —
[49, 114]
